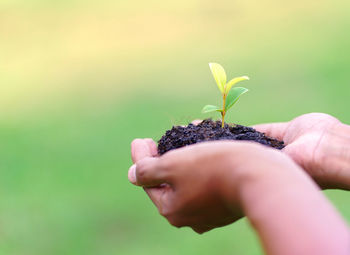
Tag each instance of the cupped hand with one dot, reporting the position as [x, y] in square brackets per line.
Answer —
[199, 185]
[213, 184]
[307, 138]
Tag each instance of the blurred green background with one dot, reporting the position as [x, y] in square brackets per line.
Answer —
[80, 79]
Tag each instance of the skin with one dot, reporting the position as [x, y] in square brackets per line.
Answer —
[319, 143]
[213, 184]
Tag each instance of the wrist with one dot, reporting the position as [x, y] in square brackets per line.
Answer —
[280, 200]
[246, 180]
[285, 201]
[333, 158]
[259, 194]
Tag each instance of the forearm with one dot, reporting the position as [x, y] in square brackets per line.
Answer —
[291, 216]
[333, 157]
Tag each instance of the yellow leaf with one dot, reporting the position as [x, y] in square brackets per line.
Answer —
[219, 75]
[234, 81]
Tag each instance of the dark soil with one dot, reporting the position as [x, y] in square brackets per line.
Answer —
[209, 130]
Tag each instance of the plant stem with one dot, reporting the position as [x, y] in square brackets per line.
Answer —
[223, 120]
[223, 111]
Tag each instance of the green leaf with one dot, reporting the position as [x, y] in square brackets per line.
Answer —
[233, 96]
[211, 108]
[234, 81]
[219, 75]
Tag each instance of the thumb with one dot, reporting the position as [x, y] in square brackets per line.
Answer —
[143, 148]
[275, 130]
[148, 173]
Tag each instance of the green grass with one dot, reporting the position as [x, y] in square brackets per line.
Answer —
[80, 80]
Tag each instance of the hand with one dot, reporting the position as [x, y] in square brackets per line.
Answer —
[198, 185]
[187, 185]
[212, 184]
[182, 183]
[311, 141]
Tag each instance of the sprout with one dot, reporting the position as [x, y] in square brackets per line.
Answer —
[229, 95]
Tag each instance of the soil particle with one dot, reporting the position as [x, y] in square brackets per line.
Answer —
[209, 130]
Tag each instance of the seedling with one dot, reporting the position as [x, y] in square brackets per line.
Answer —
[229, 95]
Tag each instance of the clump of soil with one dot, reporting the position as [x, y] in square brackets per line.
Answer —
[209, 130]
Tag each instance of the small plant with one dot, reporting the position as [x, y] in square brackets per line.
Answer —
[229, 95]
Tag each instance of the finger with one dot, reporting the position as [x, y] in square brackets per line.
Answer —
[152, 147]
[140, 149]
[155, 194]
[196, 122]
[200, 230]
[158, 195]
[148, 173]
[276, 130]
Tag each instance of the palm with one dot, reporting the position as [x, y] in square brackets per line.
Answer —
[303, 136]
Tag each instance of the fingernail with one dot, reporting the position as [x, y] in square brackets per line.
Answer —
[132, 174]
